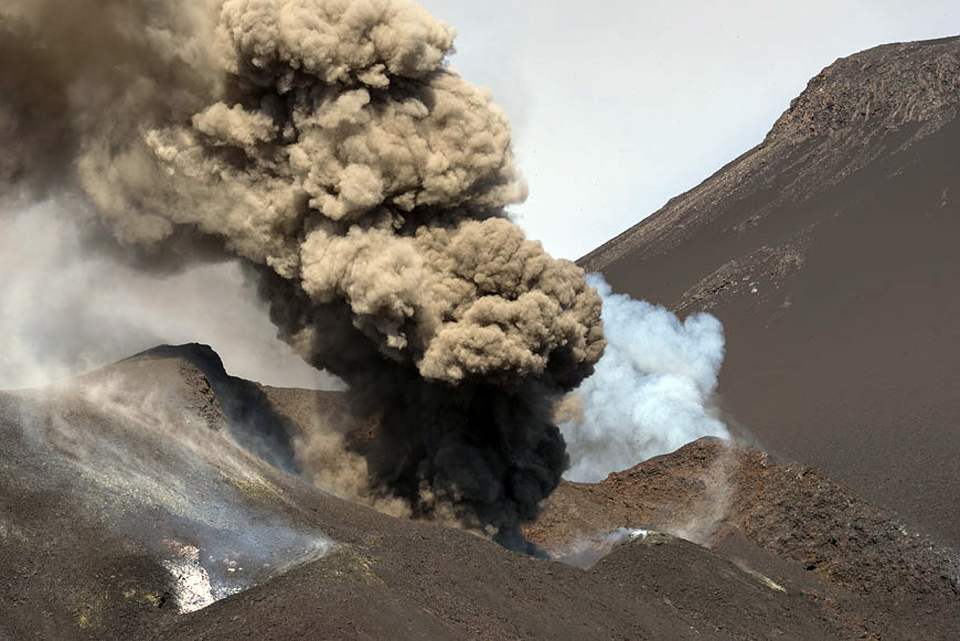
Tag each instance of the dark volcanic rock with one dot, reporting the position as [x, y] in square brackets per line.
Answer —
[124, 500]
[829, 253]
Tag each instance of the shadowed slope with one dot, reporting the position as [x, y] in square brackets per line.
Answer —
[123, 500]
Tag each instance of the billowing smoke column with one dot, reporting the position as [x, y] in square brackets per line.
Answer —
[327, 144]
[651, 391]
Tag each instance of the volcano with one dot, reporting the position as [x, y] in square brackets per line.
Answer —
[163, 498]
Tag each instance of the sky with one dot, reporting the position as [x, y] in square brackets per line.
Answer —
[617, 105]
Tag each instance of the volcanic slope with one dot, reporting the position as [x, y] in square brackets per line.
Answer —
[786, 521]
[829, 252]
[133, 505]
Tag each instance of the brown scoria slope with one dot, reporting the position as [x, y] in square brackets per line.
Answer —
[137, 502]
[829, 252]
[783, 519]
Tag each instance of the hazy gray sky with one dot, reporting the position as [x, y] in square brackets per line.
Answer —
[618, 106]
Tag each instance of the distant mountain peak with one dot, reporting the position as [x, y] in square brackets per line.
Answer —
[887, 86]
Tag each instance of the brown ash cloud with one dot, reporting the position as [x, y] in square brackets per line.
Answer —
[329, 146]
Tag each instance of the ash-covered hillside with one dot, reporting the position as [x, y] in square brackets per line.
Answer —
[137, 502]
[829, 253]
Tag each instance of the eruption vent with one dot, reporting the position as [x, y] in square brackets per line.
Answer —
[327, 145]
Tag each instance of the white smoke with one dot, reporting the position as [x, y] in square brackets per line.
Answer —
[584, 551]
[651, 390]
[65, 310]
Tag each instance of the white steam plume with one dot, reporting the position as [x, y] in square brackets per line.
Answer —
[650, 392]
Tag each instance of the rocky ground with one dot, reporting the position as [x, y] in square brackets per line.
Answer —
[162, 498]
[129, 510]
[784, 520]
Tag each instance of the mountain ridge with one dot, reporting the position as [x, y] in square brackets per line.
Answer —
[126, 513]
[828, 253]
[832, 102]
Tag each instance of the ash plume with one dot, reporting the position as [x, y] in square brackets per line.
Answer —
[329, 146]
